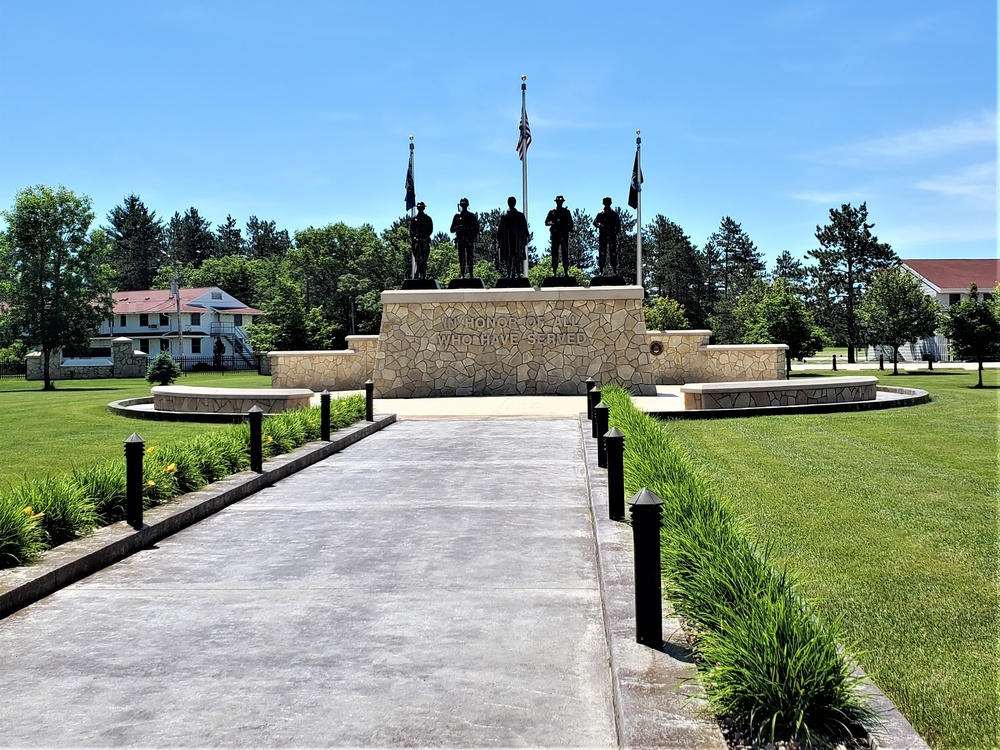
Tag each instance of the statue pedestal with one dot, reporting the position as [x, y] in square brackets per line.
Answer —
[489, 342]
[516, 282]
[550, 281]
[421, 284]
[465, 284]
[607, 281]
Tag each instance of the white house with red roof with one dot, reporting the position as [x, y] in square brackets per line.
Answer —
[947, 280]
[206, 315]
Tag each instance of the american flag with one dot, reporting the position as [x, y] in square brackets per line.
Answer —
[524, 136]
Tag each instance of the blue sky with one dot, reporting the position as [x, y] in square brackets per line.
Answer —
[770, 113]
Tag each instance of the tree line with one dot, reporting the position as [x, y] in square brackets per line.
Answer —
[318, 285]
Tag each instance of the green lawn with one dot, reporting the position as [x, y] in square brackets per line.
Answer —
[891, 518]
[49, 432]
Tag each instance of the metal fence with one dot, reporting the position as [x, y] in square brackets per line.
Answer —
[221, 363]
[13, 370]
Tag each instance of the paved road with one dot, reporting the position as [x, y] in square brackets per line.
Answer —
[433, 585]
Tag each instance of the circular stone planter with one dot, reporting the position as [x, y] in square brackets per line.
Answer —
[200, 404]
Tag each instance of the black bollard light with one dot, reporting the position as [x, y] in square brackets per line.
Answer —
[135, 448]
[930, 361]
[614, 446]
[369, 401]
[834, 362]
[601, 420]
[324, 416]
[593, 399]
[591, 385]
[645, 510]
[256, 418]
[881, 361]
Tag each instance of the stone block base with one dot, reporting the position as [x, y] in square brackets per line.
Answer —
[511, 341]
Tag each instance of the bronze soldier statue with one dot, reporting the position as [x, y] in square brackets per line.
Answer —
[512, 240]
[608, 226]
[560, 223]
[465, 227]
[421, 229]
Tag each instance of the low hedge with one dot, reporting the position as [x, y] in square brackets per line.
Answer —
[37, 514]
[771, 667]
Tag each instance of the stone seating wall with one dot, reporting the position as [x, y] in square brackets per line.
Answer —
[800, 392]
[687, 357]
[337, 370]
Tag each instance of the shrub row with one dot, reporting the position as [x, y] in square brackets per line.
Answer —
[38, 514]
[770, 666]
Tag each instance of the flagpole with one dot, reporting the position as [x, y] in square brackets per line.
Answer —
[413, 211]
[638, 212]
[524, 166]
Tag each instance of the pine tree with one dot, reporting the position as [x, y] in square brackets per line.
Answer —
[847, 257]
[736, 260]
[137, 244]
[673, 267]
[228, 239]
[190, 238]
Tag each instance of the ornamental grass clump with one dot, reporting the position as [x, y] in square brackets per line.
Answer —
[769, 664]
[40, 513]
[65, 512]
[21, 537]
[104, 486]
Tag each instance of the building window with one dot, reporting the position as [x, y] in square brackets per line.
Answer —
[144, 345]
[216, 295]
[237, 320]
[143, 320]
[164, 320]
[164, 345]
[123, 321]
[987, 296]
[954, 299]
[196, 346]
[196, 319]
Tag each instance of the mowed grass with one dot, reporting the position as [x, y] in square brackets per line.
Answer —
[51, 432]
[891, 518]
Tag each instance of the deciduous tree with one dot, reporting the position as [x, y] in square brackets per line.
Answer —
[60, 285]
[895, 310]
[775, 314]
[973, 328]
[665, 314]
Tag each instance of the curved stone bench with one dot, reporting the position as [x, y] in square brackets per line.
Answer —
[194, 399]
[766, 393]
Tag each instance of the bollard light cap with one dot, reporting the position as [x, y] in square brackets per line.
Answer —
[613, 433]
[645, 497]
[134, 438]
[325, 393]
[255, 409]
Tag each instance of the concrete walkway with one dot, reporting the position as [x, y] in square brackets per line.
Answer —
[435, 584]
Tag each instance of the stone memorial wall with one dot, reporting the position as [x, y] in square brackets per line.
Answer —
[511, 341]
